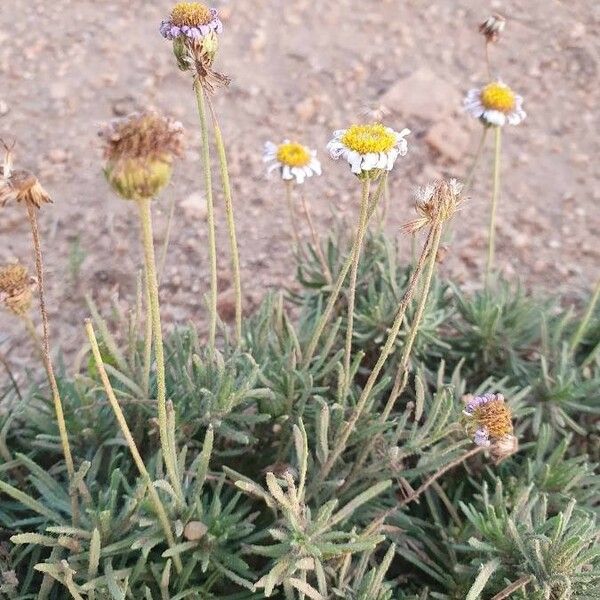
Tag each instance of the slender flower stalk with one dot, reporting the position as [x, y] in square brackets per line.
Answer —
[436, 204]
[159, 508]
[139, 151]
[229, 215]
[210, 215]
[315, 238]
[356, 251]
[169, 452]
[337, 287]
[431, 245]
[58, 406]
[494, 207]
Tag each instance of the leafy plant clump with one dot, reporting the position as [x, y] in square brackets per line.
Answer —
[378, 434]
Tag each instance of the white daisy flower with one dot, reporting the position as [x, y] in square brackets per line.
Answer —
[369, 149]
[495, 104]
[293, 161]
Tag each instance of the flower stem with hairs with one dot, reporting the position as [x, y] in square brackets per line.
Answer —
[356, 251]
[169, 452]
[58, 406]
[337, 286]
[159, 508]
[495, 194]
[210, 214]
[229, 215]
[292, 213]
[430, 248]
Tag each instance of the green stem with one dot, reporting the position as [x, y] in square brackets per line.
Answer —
[210, 215]
[495, 193]
[402, 373]
[356, 250]
[169, 453]
[58, 406]
[433, 242]
[235, 255]
[161, 513]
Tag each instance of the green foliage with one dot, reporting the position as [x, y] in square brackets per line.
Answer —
[405, 509]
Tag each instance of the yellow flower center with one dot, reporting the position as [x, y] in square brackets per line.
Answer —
[369, 138]
[496, 96]
[496, 417]
[293, 154]
[191, 14]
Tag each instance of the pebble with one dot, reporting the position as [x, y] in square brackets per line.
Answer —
[194, 206]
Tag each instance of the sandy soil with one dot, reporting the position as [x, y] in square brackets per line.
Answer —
[299, 69]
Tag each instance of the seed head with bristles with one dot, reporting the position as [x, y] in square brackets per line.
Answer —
[139, 151]
[16, 288]
[19, 185]
[492, 27]
[436, 202]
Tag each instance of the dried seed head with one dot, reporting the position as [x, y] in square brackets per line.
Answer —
[194, 531]
[19, 185]
[492, 27]
[139, 151]
[435, 203]
[16, 287]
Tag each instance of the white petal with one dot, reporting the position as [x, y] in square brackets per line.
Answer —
[274, 167]
[495, 117]
[315, 165]
[286, 173]
[370, 161]
[299, 174]
[355, 160]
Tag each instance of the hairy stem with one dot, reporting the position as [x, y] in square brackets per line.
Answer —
[356, 250]
[495, 193]
[169, 453]
[292, 214]
[433, 241]
[513, 587]
[161, 513]
[210, 215]
[47, 360]
[235, 255]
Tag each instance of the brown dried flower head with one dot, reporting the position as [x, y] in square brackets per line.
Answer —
[139, 151]
[19, 185]
[16, 288]
[435, 203]
[492, 27]
[504, 447]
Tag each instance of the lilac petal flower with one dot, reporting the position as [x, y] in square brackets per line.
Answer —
[482, 437]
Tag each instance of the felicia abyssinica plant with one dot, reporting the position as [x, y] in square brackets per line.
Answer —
[194, 29]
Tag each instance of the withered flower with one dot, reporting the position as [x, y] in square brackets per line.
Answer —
[435, 203]
[16, 288]
[20, 185]
[489, 421]
[194, 29]
[492, 27]
[139, 151]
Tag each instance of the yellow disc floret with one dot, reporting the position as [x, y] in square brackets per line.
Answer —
[496, 417]
[366, 139]
[191, 14]
[496, 96]
[293, 154]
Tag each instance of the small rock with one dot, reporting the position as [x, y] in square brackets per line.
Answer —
[58, 156]
[448, 139]
[306, 109]
[4, 108]
[194, 531]
[194, 206]
[424, 95]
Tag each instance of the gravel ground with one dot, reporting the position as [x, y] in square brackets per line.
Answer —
[299, 70]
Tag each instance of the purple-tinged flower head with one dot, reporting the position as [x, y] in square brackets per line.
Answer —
[191, 20]
[489, 419]
[194, 29]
